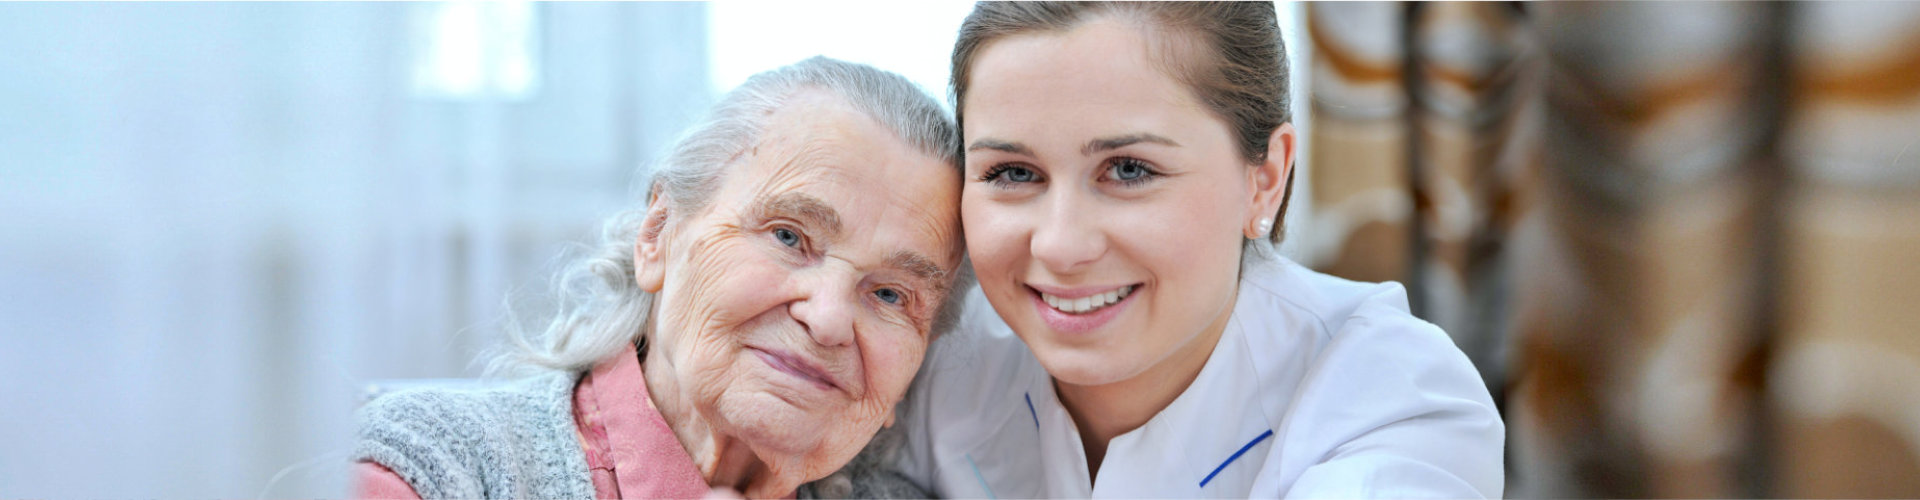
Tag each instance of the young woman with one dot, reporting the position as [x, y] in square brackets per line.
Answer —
[1126, 164]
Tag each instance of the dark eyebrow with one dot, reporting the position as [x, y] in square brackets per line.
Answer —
[1112, 143]
[1093, 146]
[810, 211]
[999, 145]
[919, 266]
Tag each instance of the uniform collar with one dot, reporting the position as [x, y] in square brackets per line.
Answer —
[1184, 444]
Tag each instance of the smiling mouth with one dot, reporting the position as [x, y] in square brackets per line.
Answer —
[799, 368]
[1087, 304]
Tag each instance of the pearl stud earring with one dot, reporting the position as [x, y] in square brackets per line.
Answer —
[1266, 226]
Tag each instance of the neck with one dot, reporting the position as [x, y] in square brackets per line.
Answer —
[1102, 412]
[721, 460]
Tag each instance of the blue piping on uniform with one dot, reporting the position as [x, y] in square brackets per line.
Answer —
[1236, 456]
[1031, 411]
[983, 479]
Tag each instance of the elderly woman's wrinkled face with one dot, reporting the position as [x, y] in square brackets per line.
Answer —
[797, 305]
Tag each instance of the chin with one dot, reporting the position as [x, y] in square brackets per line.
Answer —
[1085, 366]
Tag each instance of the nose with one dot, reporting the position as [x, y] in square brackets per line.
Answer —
[826, 307]
[1065, 238]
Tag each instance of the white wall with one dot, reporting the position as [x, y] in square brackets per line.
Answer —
[220, 220]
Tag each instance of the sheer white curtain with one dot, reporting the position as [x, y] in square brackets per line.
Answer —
[220, 220]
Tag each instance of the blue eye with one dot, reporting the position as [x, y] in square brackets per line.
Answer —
[1005, 175]
[889, 296]
[787, 237]
[1130, 171]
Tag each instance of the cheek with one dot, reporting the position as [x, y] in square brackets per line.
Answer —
[726, 280]
[891, 364]
[723, 286]
[996, 234]
[1191, 244]
[1190, 228]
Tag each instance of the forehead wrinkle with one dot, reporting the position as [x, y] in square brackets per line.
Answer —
[792, 167]
[796, 160]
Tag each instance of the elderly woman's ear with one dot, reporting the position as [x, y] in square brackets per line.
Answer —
[649, 249]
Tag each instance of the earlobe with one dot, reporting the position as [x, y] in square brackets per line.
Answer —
[649, 269]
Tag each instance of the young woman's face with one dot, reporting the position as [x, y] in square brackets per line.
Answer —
[1105, 204]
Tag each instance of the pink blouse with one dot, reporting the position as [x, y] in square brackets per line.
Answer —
[631, 453]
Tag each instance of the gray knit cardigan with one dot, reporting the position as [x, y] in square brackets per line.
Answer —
[518, 441]
[509, 441]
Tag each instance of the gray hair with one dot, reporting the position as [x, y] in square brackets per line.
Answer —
[602, 309]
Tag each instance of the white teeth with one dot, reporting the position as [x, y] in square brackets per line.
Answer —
[1088, 303]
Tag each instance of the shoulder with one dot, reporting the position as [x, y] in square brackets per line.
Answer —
[1371, 389]
[1355, 323]
[1301, 326]
[1329, 302]
[439, 412]
[1324, 321]
[451, 442]
[1348, 333]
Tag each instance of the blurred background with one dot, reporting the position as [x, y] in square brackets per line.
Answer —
[1677, 239]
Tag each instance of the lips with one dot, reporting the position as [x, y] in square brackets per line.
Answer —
[799, 367]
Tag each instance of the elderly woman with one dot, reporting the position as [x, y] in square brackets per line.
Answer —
[751, 327]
